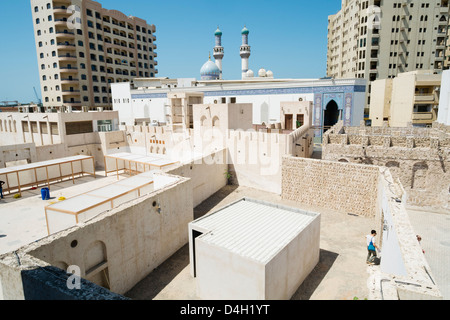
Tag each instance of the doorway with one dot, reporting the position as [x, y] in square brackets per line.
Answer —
[195, 234]
[288, 121]
[331, 114]
[300, 120]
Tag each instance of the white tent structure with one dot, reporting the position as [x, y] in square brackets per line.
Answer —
[81, 208]
[43, 173]
[134, 164]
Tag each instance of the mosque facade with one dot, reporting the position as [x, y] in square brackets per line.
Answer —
[333, 99]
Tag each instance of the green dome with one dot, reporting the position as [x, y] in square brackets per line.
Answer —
[218, 32]
[245, 31]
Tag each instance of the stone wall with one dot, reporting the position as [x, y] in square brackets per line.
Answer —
[418, 157]
[343, 187]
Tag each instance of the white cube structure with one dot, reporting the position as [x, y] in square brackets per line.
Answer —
[253, 250]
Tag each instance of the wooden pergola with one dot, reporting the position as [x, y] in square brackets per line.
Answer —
[135, 164]
[43, 173]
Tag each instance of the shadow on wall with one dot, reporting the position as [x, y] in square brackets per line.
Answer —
[50, 283]
[307, 288]
[155, 282]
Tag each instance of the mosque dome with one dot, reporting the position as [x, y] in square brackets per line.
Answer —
[250, 74]
[245, 31]
[210, 71]
[218, 32]
[262, 73]
[269, 74]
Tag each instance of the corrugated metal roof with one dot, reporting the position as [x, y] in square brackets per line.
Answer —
[254, 229]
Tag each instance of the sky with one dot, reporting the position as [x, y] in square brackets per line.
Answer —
[288, 37]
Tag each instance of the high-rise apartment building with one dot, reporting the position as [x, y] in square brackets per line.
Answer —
[378, 39]
[82, 48]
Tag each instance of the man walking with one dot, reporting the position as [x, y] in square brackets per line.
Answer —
[1, 188]
[371, 246]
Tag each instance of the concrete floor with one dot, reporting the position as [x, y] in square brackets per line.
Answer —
[341, 274]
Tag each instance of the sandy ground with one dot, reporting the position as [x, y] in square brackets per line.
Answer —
[341, 274]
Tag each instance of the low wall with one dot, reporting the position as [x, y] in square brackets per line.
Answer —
[343, 187]
[419, 157]
[207, 174]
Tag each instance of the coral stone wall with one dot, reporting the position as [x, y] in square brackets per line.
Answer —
[343, 187]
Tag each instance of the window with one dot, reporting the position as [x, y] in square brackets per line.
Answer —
[38, 21]
[39, 32]
[36, 9]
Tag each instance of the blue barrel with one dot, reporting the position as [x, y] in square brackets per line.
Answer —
[45, 193]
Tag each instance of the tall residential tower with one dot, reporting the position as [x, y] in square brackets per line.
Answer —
[376, 39]
[82, 48]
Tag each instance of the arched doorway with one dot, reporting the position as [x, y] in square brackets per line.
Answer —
[331, 114]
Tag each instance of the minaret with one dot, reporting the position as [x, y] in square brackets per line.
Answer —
[218, 50]
[245, 51]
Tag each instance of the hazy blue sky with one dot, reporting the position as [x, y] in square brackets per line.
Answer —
[288, 37]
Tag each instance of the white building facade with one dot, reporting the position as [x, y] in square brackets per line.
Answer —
[333, 100]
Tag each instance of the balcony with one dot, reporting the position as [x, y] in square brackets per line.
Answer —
[70, 92]
[69, 80]
[67, 58]
[423, 117]
[72, 103]
[66, 46]
[428, 98]
[65, 35]
[68, 69]
[61, 22]
[61, 10]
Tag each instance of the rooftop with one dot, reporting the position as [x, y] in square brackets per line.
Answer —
[253, 228]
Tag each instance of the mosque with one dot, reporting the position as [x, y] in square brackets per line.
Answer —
[333, 99]
[213, 71]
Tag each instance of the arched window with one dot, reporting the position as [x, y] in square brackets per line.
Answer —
[203, 121]
[216, 122]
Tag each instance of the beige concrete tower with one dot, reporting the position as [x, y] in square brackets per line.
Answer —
[82, 48]
[376, 39]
